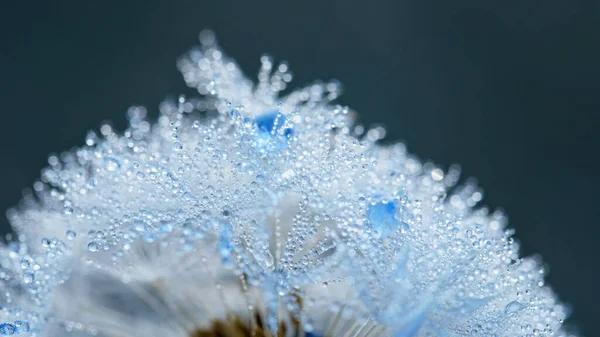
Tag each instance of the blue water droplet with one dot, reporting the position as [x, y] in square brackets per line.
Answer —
[266, 121]
[21, 326]
[382, 216]
[271, 122]
[235, 114]
[7, 329]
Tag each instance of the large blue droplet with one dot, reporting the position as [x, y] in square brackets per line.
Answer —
[7, 329]
[311, 334]
[382, 216]
[271, 135]
[271, 122]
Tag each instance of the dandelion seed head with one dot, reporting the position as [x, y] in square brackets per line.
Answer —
[245, 212]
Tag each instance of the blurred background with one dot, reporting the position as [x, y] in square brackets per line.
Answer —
[508, 90]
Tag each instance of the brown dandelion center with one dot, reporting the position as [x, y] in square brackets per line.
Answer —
[235, 327]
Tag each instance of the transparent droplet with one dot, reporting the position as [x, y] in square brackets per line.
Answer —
[512, 307]
[93, 246]
[21, 326]
[28, 278]
[91, 138]
[437, 174]
[25, 264]
[111, 164]
[70, 235]
[177, 146]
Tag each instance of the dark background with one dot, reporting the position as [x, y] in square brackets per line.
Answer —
[507, 89]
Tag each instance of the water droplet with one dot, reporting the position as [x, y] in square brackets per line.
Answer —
[437, 174]
[226, 212]
[271, 122]
[21, 326]
[91, 138]
[7, 329]
[28, 278]
[512, 307]
[382, 216]
[93, 246]
[25, 264]
[235, 114]
[111, 164]
[71, 235]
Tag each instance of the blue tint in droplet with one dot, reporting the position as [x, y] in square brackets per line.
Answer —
[7, 329]
[266, 123]
[21, 326]
[311, 334]
[382, 216]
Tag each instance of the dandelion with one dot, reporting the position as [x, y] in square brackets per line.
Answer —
[246, 213]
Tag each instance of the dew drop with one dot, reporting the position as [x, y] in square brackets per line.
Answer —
[381, 215]
[25, 264]
[21, 326]
[7, 329]
[28, 278]
[437, 174]
[512, 307]
[71, 235]
[177, 146]
[91, 138]
[45, 242]
[93, 246]
[111, 164]
[226, 212]
[271, 122]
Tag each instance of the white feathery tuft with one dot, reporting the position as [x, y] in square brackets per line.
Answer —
[276, 211]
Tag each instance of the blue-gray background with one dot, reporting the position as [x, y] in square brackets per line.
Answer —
[507, 89]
